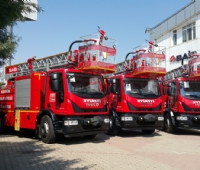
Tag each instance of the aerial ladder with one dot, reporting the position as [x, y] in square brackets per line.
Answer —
[78, 106]
[97, 54]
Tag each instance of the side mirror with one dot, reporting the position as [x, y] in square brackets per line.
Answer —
[114, 81]
[114, 86]
[171, 91]
[169, 84]
[54, 81]
[108, 85]
[61, 96]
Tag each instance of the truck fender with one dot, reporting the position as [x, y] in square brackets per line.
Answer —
[171, 113]
[113, 115]
[51, 115]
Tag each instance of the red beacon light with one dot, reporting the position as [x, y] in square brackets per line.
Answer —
[29, 61]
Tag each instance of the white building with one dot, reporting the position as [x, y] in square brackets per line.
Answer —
[29, 17]
[179, 33]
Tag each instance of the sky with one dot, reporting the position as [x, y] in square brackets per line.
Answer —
[64, 21]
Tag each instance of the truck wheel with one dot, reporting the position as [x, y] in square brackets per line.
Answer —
[169, 128]
[90, 136]
[113, 130]
[47, 130]
[37, 131]
[1, 124]
[148, 132]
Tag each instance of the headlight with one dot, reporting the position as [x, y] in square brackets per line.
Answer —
[70, 122]
[181, 118]
[107, 120]
[123, 118]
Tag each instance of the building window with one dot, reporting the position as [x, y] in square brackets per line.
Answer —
[184, 34]
[194, 30]
[189, 32]
[175, 37]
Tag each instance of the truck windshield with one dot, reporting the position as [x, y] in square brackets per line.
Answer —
[190, 90]
[86, 85]
[142, 88]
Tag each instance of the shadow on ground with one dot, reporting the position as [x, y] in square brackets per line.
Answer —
[192, 132]
[137, 133]
[60, 138]
[81, 140]
[32, 154]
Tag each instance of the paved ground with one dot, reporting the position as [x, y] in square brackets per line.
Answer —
[130, 150]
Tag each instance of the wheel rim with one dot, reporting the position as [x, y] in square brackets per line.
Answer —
[45, 129]
[167, 123]
[111, 123]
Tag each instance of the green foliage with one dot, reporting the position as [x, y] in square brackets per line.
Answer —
[12, 11]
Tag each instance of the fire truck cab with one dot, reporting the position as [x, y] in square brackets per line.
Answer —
[183, 96]
[60, 94]
[136, 95]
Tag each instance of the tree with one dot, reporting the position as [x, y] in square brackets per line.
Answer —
[12, 11]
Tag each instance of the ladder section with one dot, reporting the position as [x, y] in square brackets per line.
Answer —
[95, 55]
[123, 66]
[178, 72]
[58, 60]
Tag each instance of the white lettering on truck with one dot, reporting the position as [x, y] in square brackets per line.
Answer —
[5, 91]
[14, 69]
[6, 98]
[92, 102]
[145, 101]
[5, 106]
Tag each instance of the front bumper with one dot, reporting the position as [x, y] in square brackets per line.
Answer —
[187, 121]
[85, 126]
[145, 121]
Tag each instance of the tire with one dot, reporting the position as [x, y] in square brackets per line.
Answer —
[90, 136]
[2, 128]
[113, 130]
[47, 130]
[37, 132]
[148, 132]
[168, 127]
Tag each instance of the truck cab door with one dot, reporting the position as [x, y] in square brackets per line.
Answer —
[172, 96]
[56, 91]
[116, 92]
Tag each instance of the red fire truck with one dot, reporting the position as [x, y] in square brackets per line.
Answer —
[183, 95]
[136, 95]
[61, 94]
